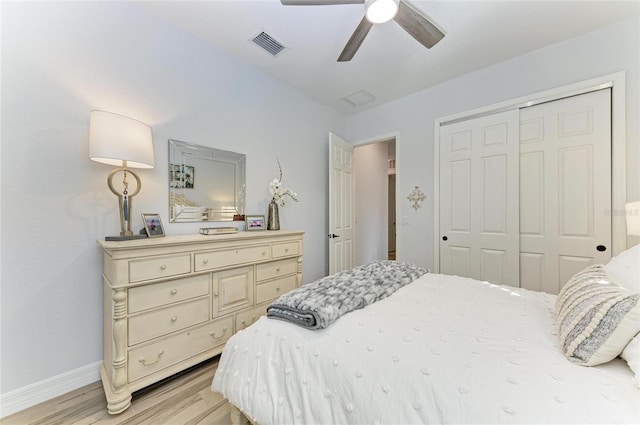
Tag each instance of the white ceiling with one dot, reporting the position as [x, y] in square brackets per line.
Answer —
[389, 64]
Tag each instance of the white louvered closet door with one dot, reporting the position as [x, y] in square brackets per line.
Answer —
[479, 234]
[565, 188]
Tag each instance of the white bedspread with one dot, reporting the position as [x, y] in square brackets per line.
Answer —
[443, 349]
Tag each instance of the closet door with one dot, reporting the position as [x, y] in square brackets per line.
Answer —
[565, 188]
[479, 197]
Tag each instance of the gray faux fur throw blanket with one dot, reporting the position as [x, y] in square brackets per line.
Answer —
[318, 304]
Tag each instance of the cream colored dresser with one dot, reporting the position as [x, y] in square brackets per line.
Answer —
[172, 302]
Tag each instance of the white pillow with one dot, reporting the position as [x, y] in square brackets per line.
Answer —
[631, 354]
[625, 268]
[596, 318]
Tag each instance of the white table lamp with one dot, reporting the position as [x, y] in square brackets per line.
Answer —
[116, 139]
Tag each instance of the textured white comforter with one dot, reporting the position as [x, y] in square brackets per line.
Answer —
[443, 349]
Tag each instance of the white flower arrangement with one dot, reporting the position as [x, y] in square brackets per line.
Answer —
[278, 193]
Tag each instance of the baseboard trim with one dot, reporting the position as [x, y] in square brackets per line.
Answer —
[30, 395]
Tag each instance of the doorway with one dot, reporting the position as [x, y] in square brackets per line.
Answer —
[374, 175]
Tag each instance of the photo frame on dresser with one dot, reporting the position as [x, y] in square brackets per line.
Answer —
[255, 222]
[153, 225]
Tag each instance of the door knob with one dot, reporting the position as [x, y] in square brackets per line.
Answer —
[601, 248]
[333, 235]
[444, 238]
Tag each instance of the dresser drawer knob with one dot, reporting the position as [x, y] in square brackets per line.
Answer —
[253, 320]
[264, 253]
[277, 289]
[174, 291]
[215, 295]
[205, 261]
[278, 269]
[286, 250]
[163, 267]
[213, 334]
[174, 318]
[236, 251]
[151, 363]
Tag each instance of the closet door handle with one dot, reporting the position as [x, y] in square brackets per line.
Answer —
[601, 248]
[444, 238]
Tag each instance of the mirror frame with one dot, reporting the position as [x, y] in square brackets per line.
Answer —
[185, 210]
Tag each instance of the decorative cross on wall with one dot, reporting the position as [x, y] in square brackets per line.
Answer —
[416, 196]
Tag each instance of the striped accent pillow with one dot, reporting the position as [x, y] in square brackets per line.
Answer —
[596, 317]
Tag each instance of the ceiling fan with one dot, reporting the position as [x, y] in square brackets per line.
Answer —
[379, 11]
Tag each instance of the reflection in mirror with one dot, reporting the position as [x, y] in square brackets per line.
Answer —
[205, 184]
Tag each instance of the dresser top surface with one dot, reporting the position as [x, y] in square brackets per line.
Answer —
[198, 239]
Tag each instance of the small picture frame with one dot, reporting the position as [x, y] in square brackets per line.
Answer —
[153, 225]
[181, 176]
[255, 222]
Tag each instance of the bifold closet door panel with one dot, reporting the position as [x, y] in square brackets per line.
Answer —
[479, 228]
[565, 188]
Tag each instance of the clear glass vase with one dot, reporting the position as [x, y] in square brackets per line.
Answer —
[273, 220]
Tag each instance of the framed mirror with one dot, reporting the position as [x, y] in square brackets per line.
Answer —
[205, 184]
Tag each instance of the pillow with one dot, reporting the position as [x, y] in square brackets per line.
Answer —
[625, 268]
[596, 317]
[631, 354]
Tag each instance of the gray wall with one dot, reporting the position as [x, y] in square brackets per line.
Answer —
[370, 166]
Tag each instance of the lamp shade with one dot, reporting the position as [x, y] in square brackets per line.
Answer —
[114, 138]
[633, 218]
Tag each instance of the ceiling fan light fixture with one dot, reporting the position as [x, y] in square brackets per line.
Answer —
[380, 11]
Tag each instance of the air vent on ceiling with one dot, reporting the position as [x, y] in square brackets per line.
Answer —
[358, 98]
[268, 43]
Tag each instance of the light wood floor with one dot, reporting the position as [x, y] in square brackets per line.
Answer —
[185, 399]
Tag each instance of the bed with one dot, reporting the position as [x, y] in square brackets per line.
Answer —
[441, 349]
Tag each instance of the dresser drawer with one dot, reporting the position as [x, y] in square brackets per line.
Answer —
[274, 288]
[159, 294]
[284, 249]
[169, 319]
[146, 360]
[230, 257]
[247, 318]
[276, 269]
[155, 268]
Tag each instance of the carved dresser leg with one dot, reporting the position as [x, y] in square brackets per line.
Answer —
[118, 393]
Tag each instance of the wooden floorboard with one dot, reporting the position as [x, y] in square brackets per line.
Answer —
[185, 399]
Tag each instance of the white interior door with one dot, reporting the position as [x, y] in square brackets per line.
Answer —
[565, 188]
[341, 205]
[478, 192]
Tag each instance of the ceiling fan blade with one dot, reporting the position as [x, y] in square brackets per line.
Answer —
[355, 41]
[318, 2]
[416, 24]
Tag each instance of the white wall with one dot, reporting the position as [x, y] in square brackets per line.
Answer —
[608, 50]
[370, 167]
[59, 61]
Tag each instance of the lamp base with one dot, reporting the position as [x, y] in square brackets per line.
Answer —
[124, 238]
